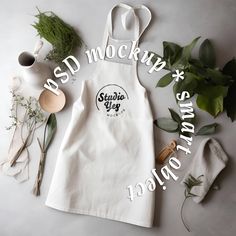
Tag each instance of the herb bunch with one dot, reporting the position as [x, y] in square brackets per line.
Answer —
[60, 35]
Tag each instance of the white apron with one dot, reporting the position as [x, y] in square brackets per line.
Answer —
[108, 145]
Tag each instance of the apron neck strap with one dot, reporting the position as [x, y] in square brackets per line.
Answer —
[142, 7]
[130, 10]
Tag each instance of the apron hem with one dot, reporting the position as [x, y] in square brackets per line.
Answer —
[105, 216]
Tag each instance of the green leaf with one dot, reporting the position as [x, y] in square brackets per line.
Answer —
[214, 106]
[155, 57]
[196, 67]
[189, 84]
[190, 120]
[191, 182]
[171, 52]
[195, 62]
[207, 54]
[175, 116]
[50, 130]
[229, 102]
[216, 77]
[210, 99]
[230, 68]
[167, 124]
[207, 129]
[187, 50]
[165, 80]
[212, 91]
[183, 60]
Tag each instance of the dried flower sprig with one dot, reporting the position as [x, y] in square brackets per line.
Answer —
[16, 100]
[189, 183]
[33, 118]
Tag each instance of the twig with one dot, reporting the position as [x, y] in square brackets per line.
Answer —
[36, 188]
[49, 131]
[18, 153]
[190, 182]
[182, 217]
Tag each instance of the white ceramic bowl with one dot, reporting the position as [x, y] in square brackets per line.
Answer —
[51, 102]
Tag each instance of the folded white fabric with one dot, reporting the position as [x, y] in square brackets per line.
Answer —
[208, 161]
[20, 171]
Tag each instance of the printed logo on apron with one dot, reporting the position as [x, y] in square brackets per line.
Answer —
[111, 99]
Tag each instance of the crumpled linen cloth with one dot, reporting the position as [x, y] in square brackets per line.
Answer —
[208, 161]
[20, 170]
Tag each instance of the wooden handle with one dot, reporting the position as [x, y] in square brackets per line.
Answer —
[166, 152]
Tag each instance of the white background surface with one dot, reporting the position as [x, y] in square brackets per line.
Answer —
[23, 214]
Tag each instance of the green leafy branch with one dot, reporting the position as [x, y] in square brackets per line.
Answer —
[215, 88]
[173, 124]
